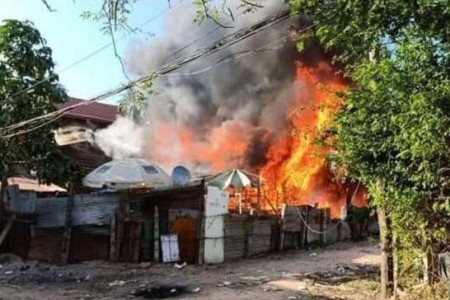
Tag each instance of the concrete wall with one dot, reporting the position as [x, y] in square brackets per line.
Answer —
[216, 207]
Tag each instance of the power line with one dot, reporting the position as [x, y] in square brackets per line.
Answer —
[95, 52]
[226, 41]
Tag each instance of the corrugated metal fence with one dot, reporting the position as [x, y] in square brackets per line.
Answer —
[90, 209]
[247, 235]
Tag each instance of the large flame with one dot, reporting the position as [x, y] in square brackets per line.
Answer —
[295, 170]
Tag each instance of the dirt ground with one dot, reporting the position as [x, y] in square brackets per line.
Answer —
[341, 271]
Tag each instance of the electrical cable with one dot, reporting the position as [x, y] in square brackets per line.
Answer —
[226, 41]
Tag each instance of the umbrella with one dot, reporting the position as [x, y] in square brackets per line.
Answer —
[231, 178]
[127, 173]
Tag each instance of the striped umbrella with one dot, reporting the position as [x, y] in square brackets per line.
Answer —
[231, 178]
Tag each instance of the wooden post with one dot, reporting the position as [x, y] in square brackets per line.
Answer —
[7, 228]
[65, 255]
[3, 186]
[156, 235]
[249, 236]
[137, 241]
[322, 227]
[259, 194]
[302, 232]
[113, 238]
[281, 240]
[306, 219]
[324, 218]
[201, 227]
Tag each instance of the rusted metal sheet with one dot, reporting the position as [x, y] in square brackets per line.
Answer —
[235, 227]
[88, 244]
[46, 245]
[97, 210]
[261, 236]
[50, 212]
[89, 209]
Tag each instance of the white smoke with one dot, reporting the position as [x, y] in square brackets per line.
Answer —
[122, 139]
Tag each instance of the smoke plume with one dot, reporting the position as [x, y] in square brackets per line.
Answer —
[219, 112]
[122, 139]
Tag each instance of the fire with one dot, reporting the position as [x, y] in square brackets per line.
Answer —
[297, 171]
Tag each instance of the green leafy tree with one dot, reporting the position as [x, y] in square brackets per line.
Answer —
[28, 88]
[392, 133]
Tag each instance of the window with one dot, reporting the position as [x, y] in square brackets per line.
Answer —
[150, 169]
[103, 169]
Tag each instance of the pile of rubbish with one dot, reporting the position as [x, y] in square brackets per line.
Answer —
[15, 271]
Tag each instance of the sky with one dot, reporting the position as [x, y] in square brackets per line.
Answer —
[72, 38]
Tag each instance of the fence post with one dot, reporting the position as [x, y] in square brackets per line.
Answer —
[249, 236]
[324, 225]
[65, 255]
[281, 240]
[113, 238]
[156, 235]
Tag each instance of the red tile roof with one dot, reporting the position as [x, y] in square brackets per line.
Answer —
[96, 112]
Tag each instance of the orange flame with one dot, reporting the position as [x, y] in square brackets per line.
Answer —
[297, 172]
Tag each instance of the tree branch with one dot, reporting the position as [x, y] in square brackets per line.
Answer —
[209, 16]
[116, 53]
[252, 4]
[50, 9]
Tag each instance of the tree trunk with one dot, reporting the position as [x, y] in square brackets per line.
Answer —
[387, 273]
[431, 263]
[396, 263]
[4, 185]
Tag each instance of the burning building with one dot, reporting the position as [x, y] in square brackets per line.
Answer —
[258, 105]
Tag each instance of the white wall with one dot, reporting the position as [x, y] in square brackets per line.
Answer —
[216, 207]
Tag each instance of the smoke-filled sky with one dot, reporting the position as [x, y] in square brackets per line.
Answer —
[222, 111]
[194, 116]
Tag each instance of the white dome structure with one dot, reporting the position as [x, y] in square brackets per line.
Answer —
[128, 173]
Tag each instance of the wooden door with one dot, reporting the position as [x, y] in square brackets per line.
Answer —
[186, 229]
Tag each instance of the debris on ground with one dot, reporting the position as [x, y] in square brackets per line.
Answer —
[180, 266]
[117, 283]
[224, 283]
[160, 292]
[292, 285]
[262, 279]
[334, 276]
[145, 265]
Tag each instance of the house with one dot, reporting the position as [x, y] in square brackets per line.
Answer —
[93, 116]
[150, 224]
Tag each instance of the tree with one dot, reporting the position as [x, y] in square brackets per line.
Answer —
[25, 61]
[392, 132]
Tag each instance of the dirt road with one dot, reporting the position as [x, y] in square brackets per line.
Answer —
[341, 271]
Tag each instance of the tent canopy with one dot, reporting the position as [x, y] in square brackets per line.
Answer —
[127, 173]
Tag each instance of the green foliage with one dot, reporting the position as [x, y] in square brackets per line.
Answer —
[134, 103]
[112, 16]
[359, 27]
[392, 132]
[25, 60]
